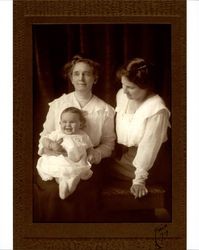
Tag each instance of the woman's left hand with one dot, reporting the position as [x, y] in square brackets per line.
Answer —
[91, 158]
[139, 190]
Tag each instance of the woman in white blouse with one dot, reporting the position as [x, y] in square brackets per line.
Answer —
[99, 115]
[142, 120]
[83, 73]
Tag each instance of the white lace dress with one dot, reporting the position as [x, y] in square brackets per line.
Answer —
[99, 122]
[75, 164]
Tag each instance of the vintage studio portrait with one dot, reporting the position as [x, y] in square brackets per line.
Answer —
[102, 123]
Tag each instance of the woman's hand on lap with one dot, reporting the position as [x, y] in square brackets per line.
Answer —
[91, 158]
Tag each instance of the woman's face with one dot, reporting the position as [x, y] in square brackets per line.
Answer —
[82, 77]
[132, 90]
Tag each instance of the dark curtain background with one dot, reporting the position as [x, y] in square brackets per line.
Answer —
[110, 45]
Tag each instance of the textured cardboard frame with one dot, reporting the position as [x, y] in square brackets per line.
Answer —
[29, 235]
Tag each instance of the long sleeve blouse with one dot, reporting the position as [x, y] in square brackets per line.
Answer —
[99, 122]
[145, 129]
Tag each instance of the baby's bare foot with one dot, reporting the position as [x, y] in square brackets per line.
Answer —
[72, 184]
[87, 174]
[63, 189]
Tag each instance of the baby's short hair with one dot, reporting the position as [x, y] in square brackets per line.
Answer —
[75, 111]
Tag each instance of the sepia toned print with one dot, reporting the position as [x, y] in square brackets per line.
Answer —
[109, 214]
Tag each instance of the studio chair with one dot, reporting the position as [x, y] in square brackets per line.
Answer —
[119, 205]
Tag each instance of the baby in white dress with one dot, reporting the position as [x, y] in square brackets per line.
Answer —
[71, 164]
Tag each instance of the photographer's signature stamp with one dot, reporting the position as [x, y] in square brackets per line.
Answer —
[161, 235]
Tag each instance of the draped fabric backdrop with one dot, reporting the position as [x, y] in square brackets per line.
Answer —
[110, 45]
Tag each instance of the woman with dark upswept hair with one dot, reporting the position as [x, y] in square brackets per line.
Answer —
[82, 204]
[142, 120]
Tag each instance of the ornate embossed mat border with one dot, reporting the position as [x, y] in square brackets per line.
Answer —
[125, 236]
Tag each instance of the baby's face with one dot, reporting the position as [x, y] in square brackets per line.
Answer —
[70, 123]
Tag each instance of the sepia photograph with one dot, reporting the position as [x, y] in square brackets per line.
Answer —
[99, 114]
[109, 72]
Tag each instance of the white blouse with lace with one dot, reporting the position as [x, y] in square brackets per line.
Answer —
[146, 129]
[99, 122]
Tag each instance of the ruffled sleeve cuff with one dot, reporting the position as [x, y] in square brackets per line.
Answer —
[140, 176]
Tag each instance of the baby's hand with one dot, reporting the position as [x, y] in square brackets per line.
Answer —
[138, 190]
[64, 153]
[56, 145]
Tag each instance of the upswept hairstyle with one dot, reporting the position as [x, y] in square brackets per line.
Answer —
[137, 71]
[75, 111]
[68, 67]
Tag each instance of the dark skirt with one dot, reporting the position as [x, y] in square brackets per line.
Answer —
[81, 206]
